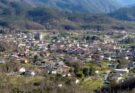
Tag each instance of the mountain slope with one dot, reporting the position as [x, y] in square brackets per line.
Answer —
[12, 14]
[91, 6]
[25, 15]
[124, 14]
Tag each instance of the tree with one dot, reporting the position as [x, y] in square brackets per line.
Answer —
[86, 71]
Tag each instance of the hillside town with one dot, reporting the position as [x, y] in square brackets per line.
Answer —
[107, 58]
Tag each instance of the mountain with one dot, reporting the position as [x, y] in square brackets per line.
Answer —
[91, 6]
[26, 14]
[124, 14]
[13, 15]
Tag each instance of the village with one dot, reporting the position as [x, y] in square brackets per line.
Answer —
[84, 56]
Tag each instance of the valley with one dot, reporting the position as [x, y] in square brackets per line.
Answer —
[67, 46]
[84, 61]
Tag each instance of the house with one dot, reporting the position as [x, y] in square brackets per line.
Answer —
[60, 85]
[110, 59]
[131, 65]
[66, 75]
[22, 70]
[77, 81]
[122, 71]
[39, 36]
[63, 69]
[126, 58]
[61, 63]
[30, 73]
[106, 77]
[54, 72]
[24, 60]
[116, 80]
[2, 61]
[112, 65]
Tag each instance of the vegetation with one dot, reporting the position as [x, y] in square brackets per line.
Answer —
[91, 84]
[20, 15]
[124, 14]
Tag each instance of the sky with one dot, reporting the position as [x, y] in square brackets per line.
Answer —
[127, 2]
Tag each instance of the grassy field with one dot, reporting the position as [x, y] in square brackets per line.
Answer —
[91, 84]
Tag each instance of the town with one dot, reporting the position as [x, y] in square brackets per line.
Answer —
[89, 59]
